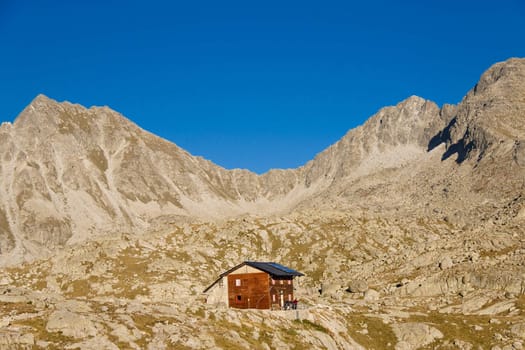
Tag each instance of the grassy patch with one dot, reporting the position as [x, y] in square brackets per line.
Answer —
[311, 325]
[16, 308]
[78, 288]
[495, 253]
[199, 313]
[40, 284]
[520, 302]
[378, 335]
[145, 323]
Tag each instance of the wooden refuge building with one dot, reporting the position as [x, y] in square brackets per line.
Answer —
[254, 285]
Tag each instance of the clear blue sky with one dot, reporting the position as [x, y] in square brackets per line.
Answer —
[250, 84]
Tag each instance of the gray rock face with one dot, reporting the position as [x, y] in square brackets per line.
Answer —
[357, 286]
[414, 335]
[371, 295]
[71, 324]
[446, 263]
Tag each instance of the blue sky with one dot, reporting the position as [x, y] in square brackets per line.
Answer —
[250, 84]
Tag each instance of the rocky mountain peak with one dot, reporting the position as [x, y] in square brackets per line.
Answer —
[391, 137]
[38, 111]
[502, 77]
[491, 114]
[412, 121]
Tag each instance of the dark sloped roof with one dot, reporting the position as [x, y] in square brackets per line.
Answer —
[273, 269]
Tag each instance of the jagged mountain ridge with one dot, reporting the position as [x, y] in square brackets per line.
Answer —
[69, 173]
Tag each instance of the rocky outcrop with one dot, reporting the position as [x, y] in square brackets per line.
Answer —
[491, 113]
[414, 335]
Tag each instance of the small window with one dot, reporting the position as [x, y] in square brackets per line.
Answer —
[239, 298]
[237, 282]
[281, 281]
[273, 298]
[289, 281]
[273, 281]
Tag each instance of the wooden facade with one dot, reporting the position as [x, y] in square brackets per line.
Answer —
[254, 285]
[248, 291]
[281, 292]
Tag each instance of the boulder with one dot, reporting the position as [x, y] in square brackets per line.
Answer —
[357, 286]
[71, 324]
[413, 335]
[332, 290]
[371, 295]
[518, 330]
[446, 263]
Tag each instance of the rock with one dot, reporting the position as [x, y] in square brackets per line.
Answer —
[462, 345]
[498, 337]
[357, 286]
[15, 299]
[122, 333]
[71, 324]
[446, 263]
[5, 281]
[473, 257]
[42, 344]
[413, 335]
[518, 330]
[10, 339]
[498, 308]
[371, 295]
[96, 343]
[332, 290]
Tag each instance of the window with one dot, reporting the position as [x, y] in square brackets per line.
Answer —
[281, 281]
[289, 282]
[273, 298]
[237, 282]
[239, 298]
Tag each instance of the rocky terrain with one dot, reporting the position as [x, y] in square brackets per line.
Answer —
[409, 231]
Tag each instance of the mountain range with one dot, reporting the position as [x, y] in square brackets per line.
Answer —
[409, 231]
[69, 173]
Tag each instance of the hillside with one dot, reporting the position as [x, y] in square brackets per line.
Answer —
[409, 230]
